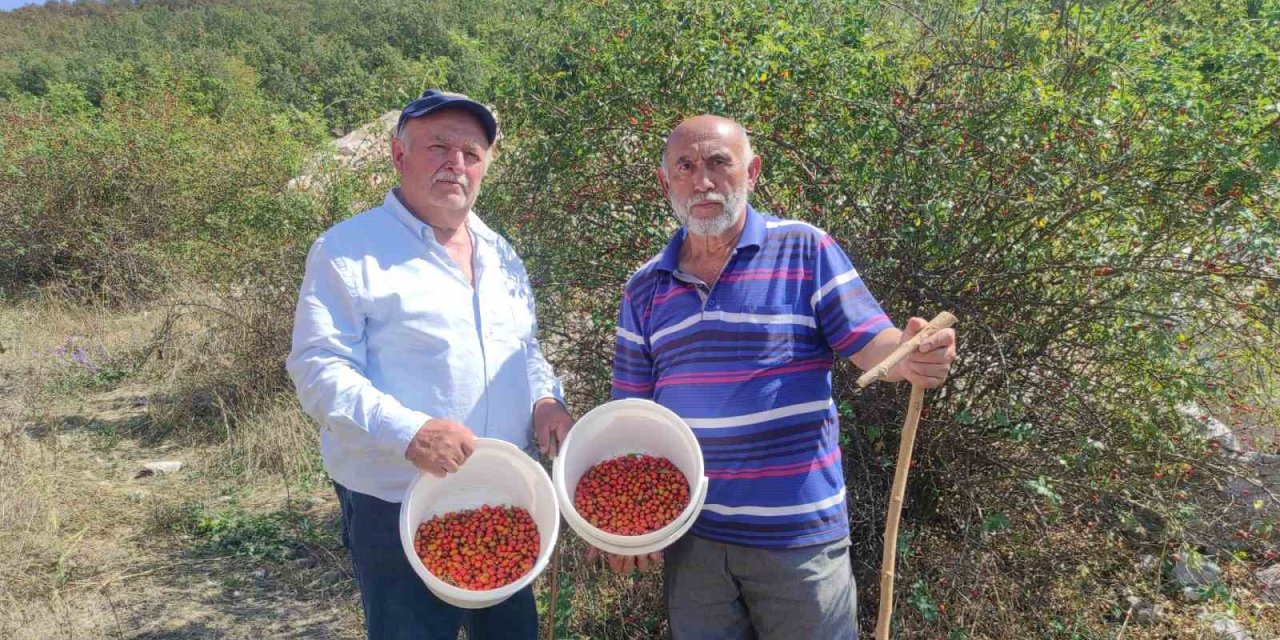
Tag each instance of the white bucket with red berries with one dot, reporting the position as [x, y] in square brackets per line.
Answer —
[487, 529]
[629, 477]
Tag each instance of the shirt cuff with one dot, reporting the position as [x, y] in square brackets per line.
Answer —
[862, 335]
[552, 390]
[557, 398]
[397, 428]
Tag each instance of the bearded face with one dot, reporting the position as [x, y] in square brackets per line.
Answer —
[711, 213]
[707, 172]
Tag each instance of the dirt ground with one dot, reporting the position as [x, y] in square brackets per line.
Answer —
[89, 550]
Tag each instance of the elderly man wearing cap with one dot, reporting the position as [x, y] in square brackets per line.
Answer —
[414, 334]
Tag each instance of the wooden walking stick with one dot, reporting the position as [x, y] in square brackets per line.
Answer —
[554, 593]
[941, 321]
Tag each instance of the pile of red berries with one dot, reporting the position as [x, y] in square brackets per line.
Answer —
[631, 495]
[479, 549]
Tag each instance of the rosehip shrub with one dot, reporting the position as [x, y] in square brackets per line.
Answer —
[1100, 207]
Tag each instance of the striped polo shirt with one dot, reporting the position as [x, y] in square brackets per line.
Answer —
[747, 364]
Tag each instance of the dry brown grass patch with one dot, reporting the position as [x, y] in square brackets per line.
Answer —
[278, 439]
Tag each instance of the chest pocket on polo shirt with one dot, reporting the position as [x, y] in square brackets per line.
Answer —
[767, 334]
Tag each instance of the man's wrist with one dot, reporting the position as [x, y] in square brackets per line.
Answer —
[543, 399]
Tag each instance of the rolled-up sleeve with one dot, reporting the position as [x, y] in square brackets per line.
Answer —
[327, 361]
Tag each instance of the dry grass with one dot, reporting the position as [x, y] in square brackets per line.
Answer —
[42, 526]
[278, 440]
[89, 550]
[595, 603]
[221, 379]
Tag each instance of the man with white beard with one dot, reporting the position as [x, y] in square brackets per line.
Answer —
[414, 334]
[735, 326]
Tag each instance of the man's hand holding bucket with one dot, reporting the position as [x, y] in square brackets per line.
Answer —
[440, 446]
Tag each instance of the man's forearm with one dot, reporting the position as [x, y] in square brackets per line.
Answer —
[877, 350]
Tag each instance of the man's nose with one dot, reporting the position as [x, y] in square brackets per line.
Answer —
[702, 181]
[454, 159]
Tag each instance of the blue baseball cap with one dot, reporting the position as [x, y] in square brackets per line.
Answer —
[436, 100]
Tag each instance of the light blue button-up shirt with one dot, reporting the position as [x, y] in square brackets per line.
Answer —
[389, 333]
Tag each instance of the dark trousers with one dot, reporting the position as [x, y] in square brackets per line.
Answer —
[397, 605]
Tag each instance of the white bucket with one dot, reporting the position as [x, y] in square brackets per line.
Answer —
[619, 428]
[497, 473]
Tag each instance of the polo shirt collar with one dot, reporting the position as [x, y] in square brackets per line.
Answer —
[752, 236]
[753, 232]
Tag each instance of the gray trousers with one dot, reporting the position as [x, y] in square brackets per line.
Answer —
[728, 592]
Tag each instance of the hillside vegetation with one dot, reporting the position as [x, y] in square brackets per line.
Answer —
[1093, 188]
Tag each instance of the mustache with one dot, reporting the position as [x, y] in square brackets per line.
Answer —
[709, 196]
[449, 176]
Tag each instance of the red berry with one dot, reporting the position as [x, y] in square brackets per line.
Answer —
[479, 549]
[632, 494]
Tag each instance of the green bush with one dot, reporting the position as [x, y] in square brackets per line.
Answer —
[345, 62]
[112, 202]
[1093, 191]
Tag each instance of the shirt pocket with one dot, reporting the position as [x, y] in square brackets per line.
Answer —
[768, 334]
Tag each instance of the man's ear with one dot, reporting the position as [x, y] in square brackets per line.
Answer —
[753, 172]
[397, 154]
[662, 180]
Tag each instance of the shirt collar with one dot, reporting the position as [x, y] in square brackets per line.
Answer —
[752, 236]
[421, 229]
